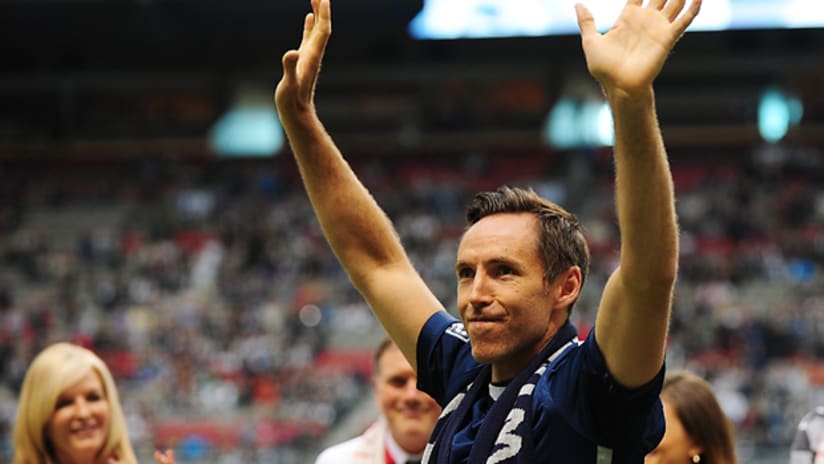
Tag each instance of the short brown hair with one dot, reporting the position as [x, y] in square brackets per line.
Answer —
[561, 240]
[384, 345]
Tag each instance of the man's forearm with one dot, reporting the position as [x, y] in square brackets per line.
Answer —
[644, 192]
[358, 231]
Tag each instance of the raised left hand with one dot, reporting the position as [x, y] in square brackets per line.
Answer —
[630, 55]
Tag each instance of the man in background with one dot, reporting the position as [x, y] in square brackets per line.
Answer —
[808, 445]
[407, 416]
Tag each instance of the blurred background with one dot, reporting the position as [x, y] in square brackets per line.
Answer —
[150, 210]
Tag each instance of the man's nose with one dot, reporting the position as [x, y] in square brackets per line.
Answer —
[479, 294]
[410, 390]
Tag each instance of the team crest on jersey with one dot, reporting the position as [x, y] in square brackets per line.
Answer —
[458, 331]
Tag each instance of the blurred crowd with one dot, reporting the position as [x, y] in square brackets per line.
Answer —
[235, 336]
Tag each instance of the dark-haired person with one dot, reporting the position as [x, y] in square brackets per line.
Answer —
[514, 382]
[698, 431]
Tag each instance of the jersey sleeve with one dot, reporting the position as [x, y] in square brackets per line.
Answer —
[445, 363]
[597, 407]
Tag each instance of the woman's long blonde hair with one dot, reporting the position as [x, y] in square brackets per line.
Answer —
[53, 370]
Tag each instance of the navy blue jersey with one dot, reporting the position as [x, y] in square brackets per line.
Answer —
[580, 414]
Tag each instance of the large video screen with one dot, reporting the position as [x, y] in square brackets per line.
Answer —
[467, 19]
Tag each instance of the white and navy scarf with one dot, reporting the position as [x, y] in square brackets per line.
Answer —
[506, 433]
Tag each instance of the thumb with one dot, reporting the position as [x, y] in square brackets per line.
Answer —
[290, 63]
[586, 23]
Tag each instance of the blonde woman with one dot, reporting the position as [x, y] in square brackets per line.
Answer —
[69, 411]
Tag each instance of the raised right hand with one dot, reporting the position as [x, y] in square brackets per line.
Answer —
[295, 92]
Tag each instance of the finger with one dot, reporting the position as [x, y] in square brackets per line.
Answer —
[167, 457]
[657, 4]
[682, 22]
[635, 2]
[672, 9]
[324, 16]
[308, 25]
[317, 28]
[586, 23]
[316, 44]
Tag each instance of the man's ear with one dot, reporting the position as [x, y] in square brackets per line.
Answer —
[567, 287]
[375, 396]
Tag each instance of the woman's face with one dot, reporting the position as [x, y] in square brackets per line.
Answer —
[676, 447]
[79, 424]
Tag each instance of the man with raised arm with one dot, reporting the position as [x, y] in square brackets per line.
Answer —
[515, 383]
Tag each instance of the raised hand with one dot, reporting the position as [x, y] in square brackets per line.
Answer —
[629, 56]
[167, 457]
[295, 91]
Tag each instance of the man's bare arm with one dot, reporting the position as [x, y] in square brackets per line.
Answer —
[633, 317]
[360, 234]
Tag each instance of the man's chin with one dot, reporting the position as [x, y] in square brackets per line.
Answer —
[483, 356]
[414, 439]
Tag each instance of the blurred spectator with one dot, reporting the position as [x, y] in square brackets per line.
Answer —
[70, 411]
[407, 416]
[808, 445]
[697, 429]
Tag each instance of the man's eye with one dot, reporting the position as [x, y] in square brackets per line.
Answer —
[505, 270]
[397, 382]
[464, 273]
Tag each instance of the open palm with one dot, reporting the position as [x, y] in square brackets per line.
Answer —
[630, 55]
